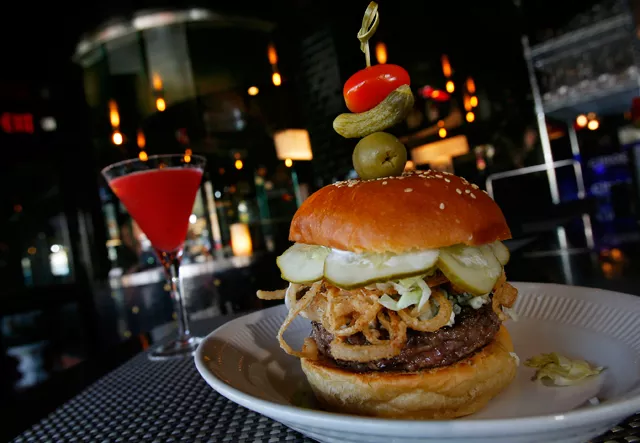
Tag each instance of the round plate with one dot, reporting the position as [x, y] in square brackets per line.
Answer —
[243, 361]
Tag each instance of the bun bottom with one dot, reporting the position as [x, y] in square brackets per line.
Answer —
[441, 393]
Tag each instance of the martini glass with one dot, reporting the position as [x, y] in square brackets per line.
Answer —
[159, 194]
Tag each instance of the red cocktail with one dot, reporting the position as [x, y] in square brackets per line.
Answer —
[159, 194]
[160, 200]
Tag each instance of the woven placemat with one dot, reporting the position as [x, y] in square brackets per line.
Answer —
[145, 401]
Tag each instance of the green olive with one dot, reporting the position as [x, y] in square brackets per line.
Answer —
[379, 155]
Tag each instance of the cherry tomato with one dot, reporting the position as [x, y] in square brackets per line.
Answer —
[367, 88]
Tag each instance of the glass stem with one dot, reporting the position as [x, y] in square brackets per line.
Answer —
[171, 263]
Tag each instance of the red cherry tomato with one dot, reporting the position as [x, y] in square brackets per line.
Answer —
[367, 88]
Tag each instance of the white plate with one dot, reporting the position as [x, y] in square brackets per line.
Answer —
[242, 361]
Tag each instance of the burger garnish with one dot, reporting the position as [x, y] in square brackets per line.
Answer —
[400, 274]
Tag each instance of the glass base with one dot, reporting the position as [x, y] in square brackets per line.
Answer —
[176, 349]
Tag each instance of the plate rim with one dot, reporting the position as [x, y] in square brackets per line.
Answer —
[615, 409]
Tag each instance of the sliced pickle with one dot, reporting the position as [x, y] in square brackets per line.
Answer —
[501, 252]
[348, 270]
[473, 269]
[302, 263]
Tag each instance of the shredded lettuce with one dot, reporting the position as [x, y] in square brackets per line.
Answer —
[560, 370]
[412, 291]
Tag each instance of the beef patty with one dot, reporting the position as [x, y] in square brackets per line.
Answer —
[473, 329]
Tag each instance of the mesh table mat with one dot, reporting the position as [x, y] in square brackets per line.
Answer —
[145, 401]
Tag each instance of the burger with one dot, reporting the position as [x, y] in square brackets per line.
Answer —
[402, 279]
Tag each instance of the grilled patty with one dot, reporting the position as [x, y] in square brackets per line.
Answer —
[473, 329]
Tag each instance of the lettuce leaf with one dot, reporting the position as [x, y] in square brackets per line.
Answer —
[561, 370]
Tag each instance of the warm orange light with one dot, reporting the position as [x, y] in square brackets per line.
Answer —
[440, 123]
[470, 117]
[272, 54]
[253, 90]
[114, 117]
[293, 144]
[593, 125]
[32, 250]
[435, 94]
[157, 82]
[442, 132]
[450, 87]
[117, 138]
[188, 152]
[591, 115]
[467, 103]
[241, 244]
[142, 142]
[471, 86]
[187, 158]
[446, 67]
[473, 101]
[288, 162]
[161, 105]
[581, 120]
[277, 80]
[239, 164]
[616, 254]
[142, 155]
[381, 53]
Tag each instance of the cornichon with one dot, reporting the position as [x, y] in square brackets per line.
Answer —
[389, 112]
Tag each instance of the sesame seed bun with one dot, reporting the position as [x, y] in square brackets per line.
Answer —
[442, 393]
[418, 210]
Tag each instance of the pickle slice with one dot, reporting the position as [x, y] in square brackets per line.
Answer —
[389, 112]
[348, 270]
[302, 263]
[500, 251]
[473, 269]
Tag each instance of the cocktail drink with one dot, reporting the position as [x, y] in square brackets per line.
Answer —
[159, 194]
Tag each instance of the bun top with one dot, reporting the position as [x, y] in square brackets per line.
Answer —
[417, 210]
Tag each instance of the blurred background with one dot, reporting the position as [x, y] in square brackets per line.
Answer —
[536, 101]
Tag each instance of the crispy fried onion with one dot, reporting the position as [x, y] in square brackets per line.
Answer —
[410, 315]
[295, 309]
[271, 295]
[379, 349]
[503, 295]
[348, 313]
[436, 280]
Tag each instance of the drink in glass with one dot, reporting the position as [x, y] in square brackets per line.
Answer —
[159, 194]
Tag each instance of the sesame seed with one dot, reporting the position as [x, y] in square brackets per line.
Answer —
[472, 196]
[441, 205]
[485, 192]
[458, 191]
[466, 191]
[408, 190]
[457, 220]
[474, 186]
[447, 180]
[384, 182]
[438, 175]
